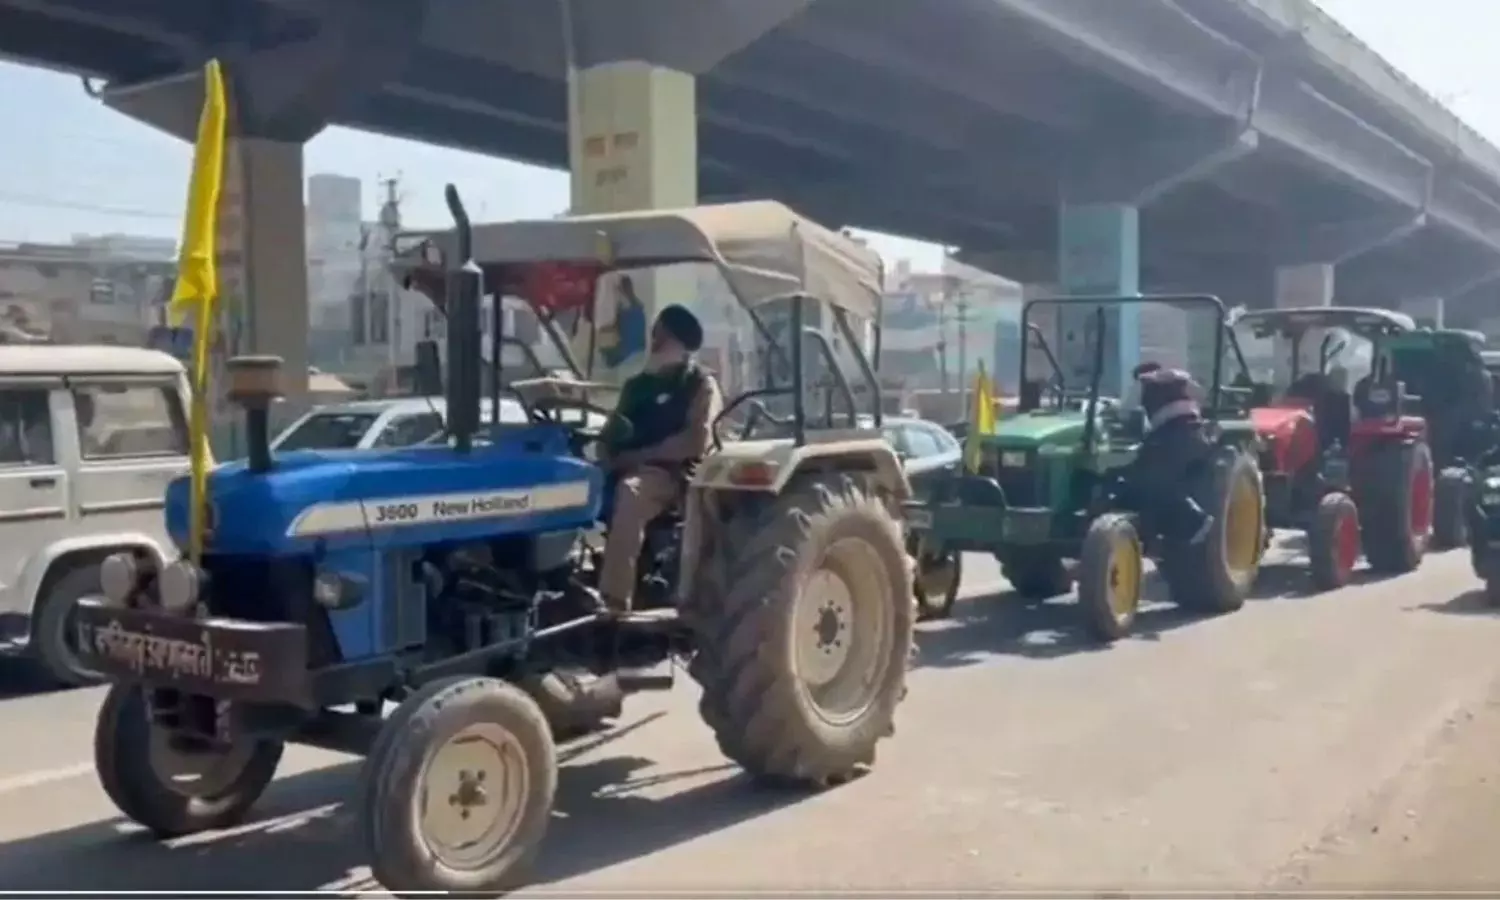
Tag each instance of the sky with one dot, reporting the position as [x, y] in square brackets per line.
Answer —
[70, 165]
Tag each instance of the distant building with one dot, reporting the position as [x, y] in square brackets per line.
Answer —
[926, 315]
[96, 290]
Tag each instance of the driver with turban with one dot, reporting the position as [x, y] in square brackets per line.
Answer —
[1175, 443]
[660, 432]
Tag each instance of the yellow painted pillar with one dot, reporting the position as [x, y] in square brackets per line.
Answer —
[633, 144]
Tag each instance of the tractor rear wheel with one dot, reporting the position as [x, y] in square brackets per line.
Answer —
[1215, 575]
[1450, 520]
[1395, 506]
[804, 634]
[1333, 541]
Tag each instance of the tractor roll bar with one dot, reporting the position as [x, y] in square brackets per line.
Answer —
[1164, 299]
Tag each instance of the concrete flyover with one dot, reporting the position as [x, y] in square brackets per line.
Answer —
[1248, 147]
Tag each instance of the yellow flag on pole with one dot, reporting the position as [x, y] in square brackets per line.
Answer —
[981, 419]
[197, 287]
[197, 274]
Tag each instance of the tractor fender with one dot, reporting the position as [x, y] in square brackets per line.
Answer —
[768, 466]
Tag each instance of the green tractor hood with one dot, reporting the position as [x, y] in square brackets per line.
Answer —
[1033, 429]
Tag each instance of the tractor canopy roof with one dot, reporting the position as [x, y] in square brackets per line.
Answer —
[1441, 340]
[765, 250]
[1366, 322]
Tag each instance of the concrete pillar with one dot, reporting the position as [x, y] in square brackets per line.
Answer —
[633, 144]
[1306, 284]
[263, 256]
[1099, 252]
[1426, 311]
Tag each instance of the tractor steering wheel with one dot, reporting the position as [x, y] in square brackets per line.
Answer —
[550, 411]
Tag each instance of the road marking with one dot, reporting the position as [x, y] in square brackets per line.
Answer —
[43, 776]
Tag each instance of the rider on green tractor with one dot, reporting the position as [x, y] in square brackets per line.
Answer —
[1174, 443]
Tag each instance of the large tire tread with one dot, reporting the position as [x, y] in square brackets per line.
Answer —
[1450, 521]
[1385, 507]
[760, 717]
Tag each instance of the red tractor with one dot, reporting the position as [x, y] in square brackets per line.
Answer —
[1350, 468]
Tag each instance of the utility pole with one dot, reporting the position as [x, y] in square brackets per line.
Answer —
[942, 344]
[390, 224]
[962, 308]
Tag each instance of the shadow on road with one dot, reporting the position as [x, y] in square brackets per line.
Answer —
[1292, 579]
[19, 679]
[1473, 602]
[1004, 624]
[302, 838]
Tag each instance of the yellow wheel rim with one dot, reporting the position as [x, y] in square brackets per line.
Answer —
[1124, 586]
[1242, 528]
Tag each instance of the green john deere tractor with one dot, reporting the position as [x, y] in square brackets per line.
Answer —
[1056, 485]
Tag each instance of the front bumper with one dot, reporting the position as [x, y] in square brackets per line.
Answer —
[229, 659]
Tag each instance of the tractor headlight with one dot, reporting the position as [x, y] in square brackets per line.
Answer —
[1013, 459]
[119, 577]
[331, 590]
[179, 586]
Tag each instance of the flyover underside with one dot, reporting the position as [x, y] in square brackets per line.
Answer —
[839, 107]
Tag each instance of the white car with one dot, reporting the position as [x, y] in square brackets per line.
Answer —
[90, 436]
[369, 424]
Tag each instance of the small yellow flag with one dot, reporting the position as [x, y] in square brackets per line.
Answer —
[197, 275]
[981, 419]
[198, 286]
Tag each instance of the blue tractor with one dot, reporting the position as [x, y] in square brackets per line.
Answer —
[428, 607]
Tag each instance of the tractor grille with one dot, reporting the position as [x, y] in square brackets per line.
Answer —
[277, 590]
[1021, 483]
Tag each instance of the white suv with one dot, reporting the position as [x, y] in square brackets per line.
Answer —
[90, 436]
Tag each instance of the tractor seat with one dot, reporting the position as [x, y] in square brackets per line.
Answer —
[1334, 413]
[1309, 387]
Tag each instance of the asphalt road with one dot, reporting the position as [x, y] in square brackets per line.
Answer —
[1261, 748]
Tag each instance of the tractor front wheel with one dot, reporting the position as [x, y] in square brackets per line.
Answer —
[1111, 569]
[458, 789]
[939, 577]
[171, 786]
[1333, 541]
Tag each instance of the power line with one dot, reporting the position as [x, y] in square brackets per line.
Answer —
[44, 202]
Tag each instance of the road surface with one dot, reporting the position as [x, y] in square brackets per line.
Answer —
[1290, 744]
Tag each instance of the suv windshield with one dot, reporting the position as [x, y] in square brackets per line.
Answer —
[328, 431]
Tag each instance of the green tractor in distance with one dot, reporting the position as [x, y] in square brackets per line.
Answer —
[1056, 484]
[1450, 373]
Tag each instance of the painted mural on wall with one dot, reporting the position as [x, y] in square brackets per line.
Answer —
[622, 339]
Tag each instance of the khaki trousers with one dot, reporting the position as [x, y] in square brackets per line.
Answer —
[640, 496]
